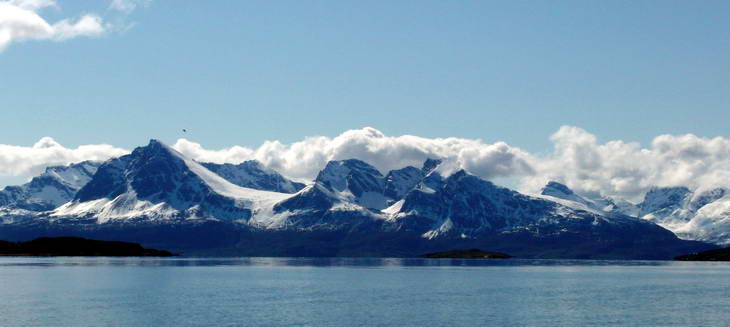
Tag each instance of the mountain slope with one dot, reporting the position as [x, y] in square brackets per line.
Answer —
[692, 215]
[55, 186]
[156, 182]
[558, 192]
[252, 174]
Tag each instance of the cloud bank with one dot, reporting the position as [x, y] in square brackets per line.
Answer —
[302, 160]
[615, 168]
[625, 169]
[30, 161]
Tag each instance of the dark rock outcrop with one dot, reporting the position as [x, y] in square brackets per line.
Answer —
[711, 255]
[77, 247]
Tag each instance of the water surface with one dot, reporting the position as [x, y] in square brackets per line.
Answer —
[360, 292]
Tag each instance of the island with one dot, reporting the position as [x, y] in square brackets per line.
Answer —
[711, 255]
[466, 254]
[77, 246]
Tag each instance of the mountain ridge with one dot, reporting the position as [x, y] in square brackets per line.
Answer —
[158, 197]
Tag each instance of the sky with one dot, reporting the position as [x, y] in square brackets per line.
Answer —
[243, 73]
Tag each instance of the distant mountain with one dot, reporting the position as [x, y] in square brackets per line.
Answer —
[55, 186]
[690, 214]
[160, 198]
[252, 174]
[561, 193]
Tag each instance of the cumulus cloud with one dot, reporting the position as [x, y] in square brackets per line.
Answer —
[626, 169]
[20, 21]
[30, 161]
[616, 168]
[302, 160]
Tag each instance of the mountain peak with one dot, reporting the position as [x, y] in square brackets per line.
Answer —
[336, 174]
[429, 165]
[155, 142]
[354, 178]
[55, 186]
[556, 189]
[664, 198]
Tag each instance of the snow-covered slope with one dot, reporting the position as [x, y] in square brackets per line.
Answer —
[692, 215]
[156, 183]
[354, 181]
[560, 193]
[466, 206]
[252, 174]
[55, 186]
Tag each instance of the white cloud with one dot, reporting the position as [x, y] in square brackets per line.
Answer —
[303, 159]
[625, 169]
[127, 6]
[20, 21]
[30, 161]
[615, 168]
[33, 4]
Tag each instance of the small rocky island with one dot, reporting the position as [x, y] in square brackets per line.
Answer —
[466, 254]
[711, 255]
[76, 246]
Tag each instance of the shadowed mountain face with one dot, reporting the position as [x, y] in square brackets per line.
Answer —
[158, 197]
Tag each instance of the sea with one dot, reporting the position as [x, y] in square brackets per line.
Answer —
[178, 291]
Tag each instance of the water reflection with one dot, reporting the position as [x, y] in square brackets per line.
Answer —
[321, 262]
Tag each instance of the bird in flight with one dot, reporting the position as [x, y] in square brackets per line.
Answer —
[185, 130]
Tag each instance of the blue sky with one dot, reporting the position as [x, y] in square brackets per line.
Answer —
[242, 72]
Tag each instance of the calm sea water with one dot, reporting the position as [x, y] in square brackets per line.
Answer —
[360, 292]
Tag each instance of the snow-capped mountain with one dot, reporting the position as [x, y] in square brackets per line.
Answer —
[155, 183]
[345, 193]
[558, 192]
[252, 174]
[354, 181]
[55, 186]
[157, 196]
[666, 205]
[399, 182]
[690, 214]
[350, 192]
[466, 206]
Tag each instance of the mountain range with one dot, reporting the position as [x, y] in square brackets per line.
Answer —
[158, 197]
[700, 215]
